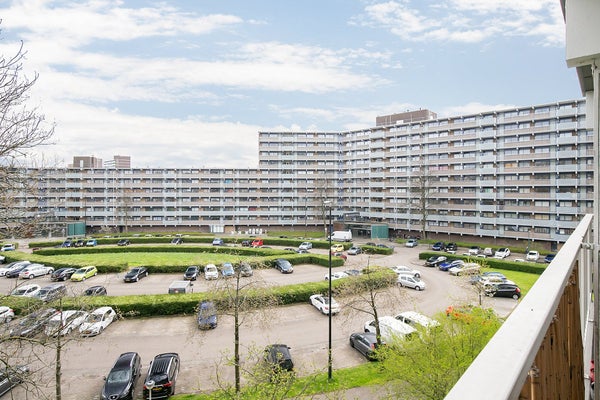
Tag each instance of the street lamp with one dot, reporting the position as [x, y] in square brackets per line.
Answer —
[150, 386]
[327, 203]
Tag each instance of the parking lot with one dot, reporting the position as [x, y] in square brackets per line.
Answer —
[203, 353]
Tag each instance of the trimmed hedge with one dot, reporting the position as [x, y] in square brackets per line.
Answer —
[529, 267]
[185, 304]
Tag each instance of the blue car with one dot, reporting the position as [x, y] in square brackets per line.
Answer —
[227, 270]
[207, 315]
[445, 266]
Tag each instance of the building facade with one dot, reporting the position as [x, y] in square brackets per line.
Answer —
[516, 174]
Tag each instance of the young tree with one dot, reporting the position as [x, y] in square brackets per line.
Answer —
[428, 365]
[421, 190]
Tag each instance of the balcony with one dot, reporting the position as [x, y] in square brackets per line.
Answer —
[543, 349]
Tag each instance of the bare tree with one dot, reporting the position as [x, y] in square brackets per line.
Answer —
[421, 190]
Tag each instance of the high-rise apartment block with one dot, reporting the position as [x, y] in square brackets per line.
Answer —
[517, 174]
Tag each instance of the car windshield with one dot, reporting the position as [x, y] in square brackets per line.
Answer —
[80, 271]
[191, 270]
[19, 291]
[119, 376]
[134, 271]
[93, 318]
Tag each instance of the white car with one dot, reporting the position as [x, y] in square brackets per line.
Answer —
[403, 269]
[336, 275]
[8, 247]
[410, 281]
[11, 266]
[65, 322]
[502, 253]
[321, 303]
[26, 290]
[305, 246]
[97, 321]
[413, 318]
[211, 272]
[33, 270]
[6, 314]
[465, 269]
[532, 255]
[354, 250]
[411, 243]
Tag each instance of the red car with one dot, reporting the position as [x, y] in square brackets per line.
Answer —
[257, 242]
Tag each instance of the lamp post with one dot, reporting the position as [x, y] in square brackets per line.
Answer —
[329, 358]
[150, 385]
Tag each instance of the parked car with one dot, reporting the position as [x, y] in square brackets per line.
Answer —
[211, 272]
[474, 250]
[162, 376]
[438, 246]
[340, 255]
[336, 275]
[410, 281]
[177, 240]
[445, 266]
[488, 276]
[390, 328]
[503, 290]
[435, 261]
[218, 242]
[352, 272]
[284, 266]
[62, 274]
[33, 323]
[26, 290]
[549, 258]
[279, 357]
[51, 292]
[502, 252]
[365, 343]
[191, 273]
[258, 242]
[451, 247]
[84, 273]
[305, 246]
[15, 271]
[354, 250]
[227, 270]
[532, 255]
[91, 243]
[33, 270]
[246, 243]
[403, 269]
[119, 384]
[465, 269]
[246, 269]
[411, 243]
[13, 265]
[8, 247]
[67, 243]
[135, 274]
[97, 321]
[337, 247]
[321, 303]
[11, 377]
[207, 315]
[79, 243]
[63, 323]
[95, 291]
[414, 318]
[6, 314]
[123, 242]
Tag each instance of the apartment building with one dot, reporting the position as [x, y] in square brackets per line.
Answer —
[516, 174]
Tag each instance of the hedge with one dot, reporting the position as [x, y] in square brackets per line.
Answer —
[529, 267]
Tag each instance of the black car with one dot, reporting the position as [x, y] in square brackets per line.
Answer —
[135, 274]
[62, 274]
[11, 377]
[279, 357]
[503, 290]
[33, 323]
[365, 343]
[451, 246]
[95, 291]
[438, 246]
[177, 241]
[284, 266]
[549, 258]
[162, 376]
[79, 243]
[191, 273]
[14, 273]
[246, 243]
[123, 242]
[207, 315]
[120, 382]
[435, 261]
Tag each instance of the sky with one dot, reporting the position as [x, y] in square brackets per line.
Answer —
[180, 84]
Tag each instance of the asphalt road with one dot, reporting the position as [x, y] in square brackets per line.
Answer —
[204, 353]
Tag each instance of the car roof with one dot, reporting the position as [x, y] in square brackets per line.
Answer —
[101, 310]
[125, 360]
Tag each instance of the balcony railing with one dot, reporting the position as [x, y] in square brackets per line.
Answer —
[543, 349]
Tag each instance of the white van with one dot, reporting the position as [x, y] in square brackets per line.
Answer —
[391, 328]
[341, 236]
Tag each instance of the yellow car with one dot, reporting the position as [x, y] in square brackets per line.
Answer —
[83, 273]
[337, 247]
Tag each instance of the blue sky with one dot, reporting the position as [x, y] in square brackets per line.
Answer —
[191, 83]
